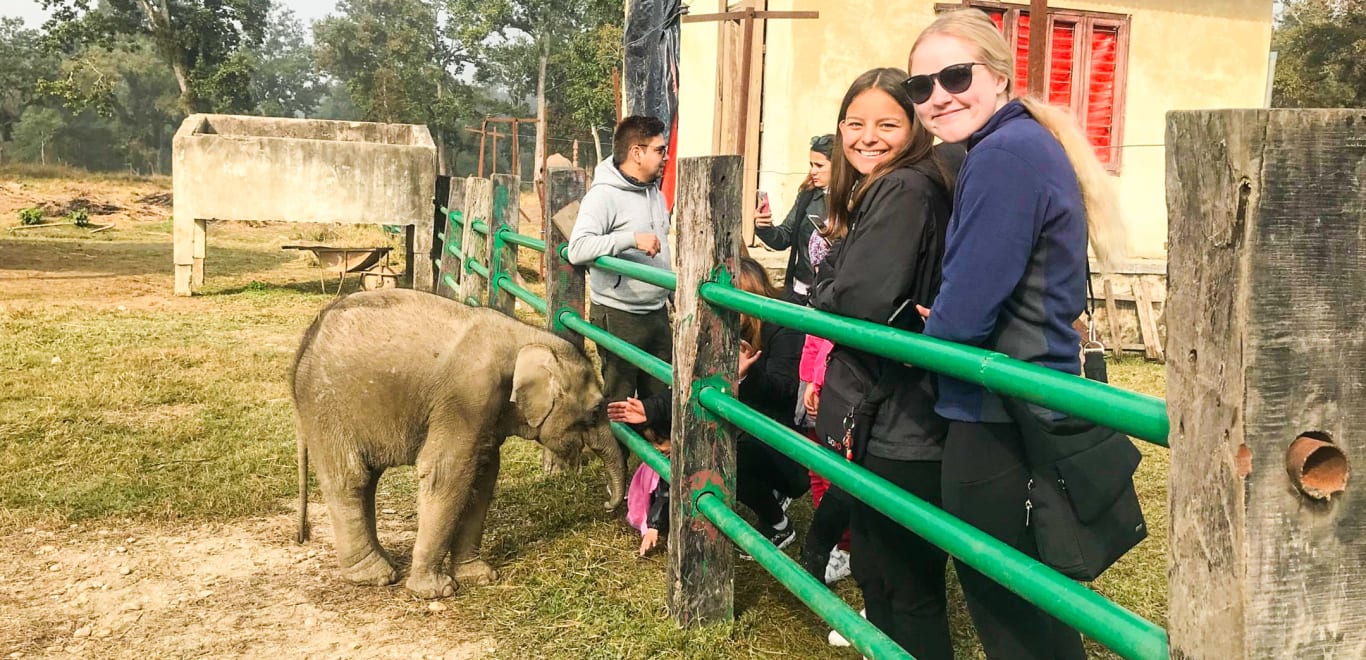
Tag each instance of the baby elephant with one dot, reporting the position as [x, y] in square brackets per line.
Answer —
[398, 377]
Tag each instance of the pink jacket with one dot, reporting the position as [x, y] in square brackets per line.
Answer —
[814, 353]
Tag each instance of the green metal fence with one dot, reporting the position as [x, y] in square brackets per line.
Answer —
[1141, 416]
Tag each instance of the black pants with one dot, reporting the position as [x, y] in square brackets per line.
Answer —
[759, 471]
[828, 523]
[985, 484]
[901, 574]
[649, 332]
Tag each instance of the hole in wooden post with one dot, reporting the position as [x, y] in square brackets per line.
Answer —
[1244, 192]
[1316, 466]
[1243, 461]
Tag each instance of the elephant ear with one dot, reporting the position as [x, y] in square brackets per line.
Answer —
[534, 389]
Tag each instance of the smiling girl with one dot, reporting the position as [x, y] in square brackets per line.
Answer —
[889, 207]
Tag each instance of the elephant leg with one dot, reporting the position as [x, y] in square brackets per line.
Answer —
[466, 566]
[446, 470]
[351, 505]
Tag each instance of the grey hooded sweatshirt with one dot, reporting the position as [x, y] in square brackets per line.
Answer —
[610, 215]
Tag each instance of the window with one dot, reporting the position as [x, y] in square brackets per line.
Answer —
[1086, 63]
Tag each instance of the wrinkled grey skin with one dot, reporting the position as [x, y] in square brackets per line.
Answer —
[398, 377]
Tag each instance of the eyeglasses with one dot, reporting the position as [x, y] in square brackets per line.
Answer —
[954, 78]
[661, 149]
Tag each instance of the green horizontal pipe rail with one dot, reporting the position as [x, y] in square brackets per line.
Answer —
[865, 637]
[1138, 415]
[472, 301]
[506, 283]
[480, 227]
[455, 251]
[522, 240]
[478, 268]
[449, 280]
[1117, 628]
[441, 236]
[642, 448]
[648, 274]
[622, 348]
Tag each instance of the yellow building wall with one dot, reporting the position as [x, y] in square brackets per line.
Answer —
[1183, 55]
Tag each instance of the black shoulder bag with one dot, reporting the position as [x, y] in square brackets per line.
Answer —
[1081, 500]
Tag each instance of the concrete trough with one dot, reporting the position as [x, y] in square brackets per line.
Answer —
[228, 167]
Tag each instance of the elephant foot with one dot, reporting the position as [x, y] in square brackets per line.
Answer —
[374, 569]
[431, 584]
[475, 572]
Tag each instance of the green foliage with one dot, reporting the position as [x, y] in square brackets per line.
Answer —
[22, 63]
[79, 217]
[200, 41]
[285, 81]
[31, 216]
[35, 131]
[1321, 54]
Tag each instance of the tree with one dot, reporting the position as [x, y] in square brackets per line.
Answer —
[584, 91]
[201, 41]
[397, 64]
[516, 40]
[1321, 54]
[285, 80]
[22, 64]
[35, 131]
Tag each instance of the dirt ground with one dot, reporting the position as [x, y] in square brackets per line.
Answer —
[243, 590]
[137, 590]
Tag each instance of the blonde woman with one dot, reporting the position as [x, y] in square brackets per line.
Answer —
[1014, 279]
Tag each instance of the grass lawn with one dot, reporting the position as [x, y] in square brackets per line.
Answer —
[120, 404]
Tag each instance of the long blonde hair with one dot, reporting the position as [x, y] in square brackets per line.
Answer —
[1104, 227]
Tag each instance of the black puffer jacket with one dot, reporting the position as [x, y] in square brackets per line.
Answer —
[892, 254]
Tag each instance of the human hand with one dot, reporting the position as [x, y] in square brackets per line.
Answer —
[811, 399]
[648, 243]
[648, 541]
[748, 356]
[763, 218]
[924, 312]
[630, 411]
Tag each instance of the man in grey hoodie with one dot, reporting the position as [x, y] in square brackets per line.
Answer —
[624, 215]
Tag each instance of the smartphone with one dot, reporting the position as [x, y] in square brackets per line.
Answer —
[763, 202]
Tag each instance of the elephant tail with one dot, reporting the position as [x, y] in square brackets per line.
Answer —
[302, 449]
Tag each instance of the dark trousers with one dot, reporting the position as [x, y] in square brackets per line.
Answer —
[649, 332]
[828, 523]
[759, 471]
[985, 484]
[901, 574]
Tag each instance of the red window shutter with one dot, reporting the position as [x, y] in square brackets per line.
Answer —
[1022, 34]
[1061, 47]
[1100, 91]
[998, 16]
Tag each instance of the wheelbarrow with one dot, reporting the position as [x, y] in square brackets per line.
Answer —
[343, 260]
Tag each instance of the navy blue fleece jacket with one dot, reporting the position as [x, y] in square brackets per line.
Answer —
[1015, 258]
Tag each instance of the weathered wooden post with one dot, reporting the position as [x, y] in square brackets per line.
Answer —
[705, 350]
[438, 229]
[448, 284]
[474, 287]
[502, 255]
[564, 282]
[1266, 355]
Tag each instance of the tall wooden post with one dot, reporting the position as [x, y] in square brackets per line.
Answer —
[502, 256]
[565, 286]
[437, 246]
[1266, 355]
[1037, 71]
[705, 350]
[451, 266]
[564, 282]
[478, 208]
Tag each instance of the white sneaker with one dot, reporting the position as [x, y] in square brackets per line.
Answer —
[783, 500]
[838, 568]
[836, 639]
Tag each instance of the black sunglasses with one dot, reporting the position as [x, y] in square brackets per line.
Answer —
[954, 78]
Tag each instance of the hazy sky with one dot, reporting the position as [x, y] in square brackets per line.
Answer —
[33, 14]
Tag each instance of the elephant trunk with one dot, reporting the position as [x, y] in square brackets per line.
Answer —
[604, 444]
